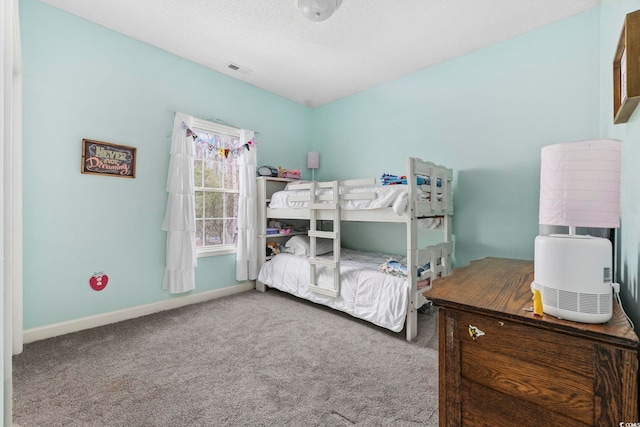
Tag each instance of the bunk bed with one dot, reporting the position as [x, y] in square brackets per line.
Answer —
[360, 283]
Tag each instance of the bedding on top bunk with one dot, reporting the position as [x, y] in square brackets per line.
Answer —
[365, 291]
[388, 179]
[385, 197]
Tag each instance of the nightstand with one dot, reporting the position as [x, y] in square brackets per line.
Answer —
[500, 365]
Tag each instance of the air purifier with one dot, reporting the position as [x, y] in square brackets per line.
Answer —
[573, 275]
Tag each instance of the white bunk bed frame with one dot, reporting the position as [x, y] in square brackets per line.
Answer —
[326, 207]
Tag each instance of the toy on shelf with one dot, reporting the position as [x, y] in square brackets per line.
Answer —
[284, 173]
[279, 227]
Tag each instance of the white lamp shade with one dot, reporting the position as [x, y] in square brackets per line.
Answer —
[313, 160]
[580, 184]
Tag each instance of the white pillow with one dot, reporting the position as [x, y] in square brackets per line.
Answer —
[301, 245]
[297, 181]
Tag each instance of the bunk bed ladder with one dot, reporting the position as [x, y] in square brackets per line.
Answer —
[315, 206]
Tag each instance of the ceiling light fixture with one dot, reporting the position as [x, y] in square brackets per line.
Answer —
[318, 10]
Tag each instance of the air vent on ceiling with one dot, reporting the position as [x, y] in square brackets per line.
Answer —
[238, 68]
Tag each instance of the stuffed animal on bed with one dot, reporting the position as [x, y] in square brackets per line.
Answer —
[398, 268]
[273, 248]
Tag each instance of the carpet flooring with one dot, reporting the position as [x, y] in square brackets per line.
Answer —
[252, 359]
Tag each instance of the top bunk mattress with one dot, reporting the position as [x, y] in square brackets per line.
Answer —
[384, 197]
[373, 196]
[375, 201]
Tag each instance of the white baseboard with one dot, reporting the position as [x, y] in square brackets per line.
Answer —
[50, 331]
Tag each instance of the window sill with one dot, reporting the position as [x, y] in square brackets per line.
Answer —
[209, 252]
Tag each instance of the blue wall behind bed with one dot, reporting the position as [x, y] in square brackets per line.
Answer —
[486, 115]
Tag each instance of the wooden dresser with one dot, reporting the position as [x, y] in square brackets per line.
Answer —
[500, 365]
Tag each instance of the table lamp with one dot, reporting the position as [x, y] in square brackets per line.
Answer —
[313, 163]
[579, 187]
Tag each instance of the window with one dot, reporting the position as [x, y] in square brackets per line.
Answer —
[216, 187]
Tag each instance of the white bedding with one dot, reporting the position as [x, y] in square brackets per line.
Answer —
[365, 292]
[385, 195]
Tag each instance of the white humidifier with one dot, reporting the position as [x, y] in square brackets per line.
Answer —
[573, 275]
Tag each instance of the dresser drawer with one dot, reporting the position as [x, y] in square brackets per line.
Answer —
[520, 361]
[485, 407]
[525, 364]
[537, 346]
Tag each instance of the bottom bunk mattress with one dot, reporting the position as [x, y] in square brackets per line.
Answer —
[365, 292]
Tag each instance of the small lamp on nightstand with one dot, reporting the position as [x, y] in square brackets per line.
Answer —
[313, 163]
[579, 187]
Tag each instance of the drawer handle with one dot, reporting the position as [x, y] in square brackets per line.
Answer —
[474, 332]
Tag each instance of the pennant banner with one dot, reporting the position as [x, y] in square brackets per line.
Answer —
[221, 146]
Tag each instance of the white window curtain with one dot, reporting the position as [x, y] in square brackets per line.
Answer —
[247, 251]
[180, 218]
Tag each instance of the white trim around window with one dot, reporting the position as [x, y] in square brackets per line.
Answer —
[211, 127]
[215, 251]
[207, 126]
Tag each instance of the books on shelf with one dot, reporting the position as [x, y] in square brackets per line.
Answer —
[272, 230]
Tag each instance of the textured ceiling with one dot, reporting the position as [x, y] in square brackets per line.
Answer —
[365, 43]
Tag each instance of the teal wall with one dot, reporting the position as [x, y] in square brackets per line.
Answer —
[84, 81]
[628, 244]
[486, 115]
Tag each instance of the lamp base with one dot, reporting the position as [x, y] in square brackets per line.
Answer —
[573, 275]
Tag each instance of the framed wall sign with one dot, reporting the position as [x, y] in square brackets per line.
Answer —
[626, 69]
[103, 158]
